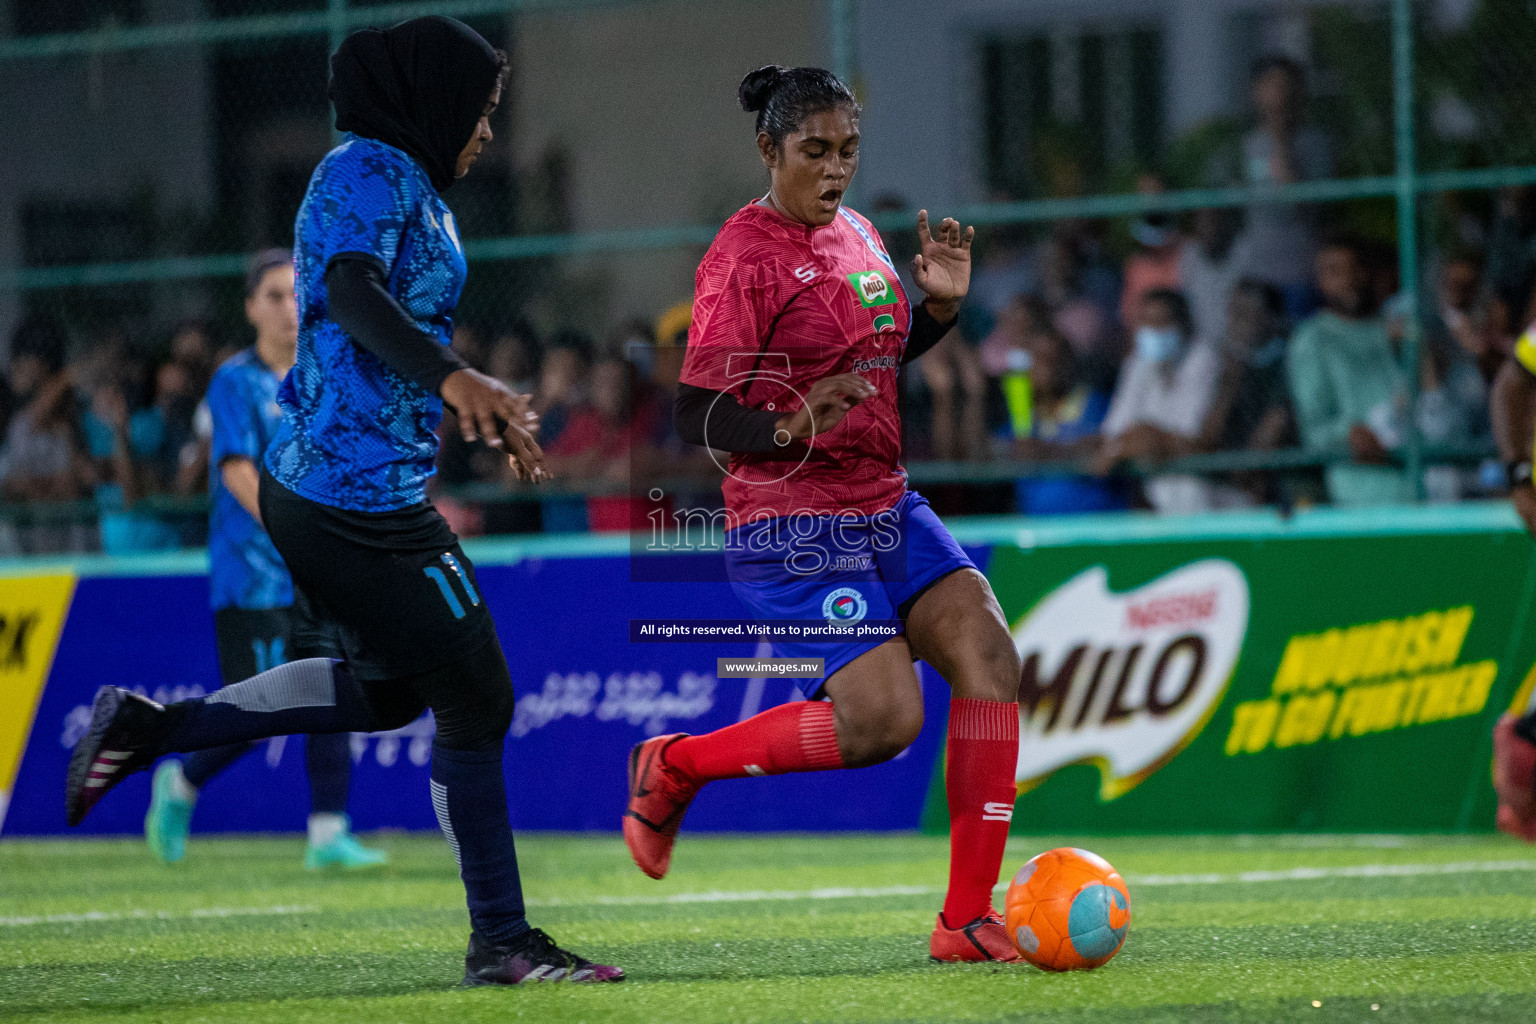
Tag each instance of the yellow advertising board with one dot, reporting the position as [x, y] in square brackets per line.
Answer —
[32, 612]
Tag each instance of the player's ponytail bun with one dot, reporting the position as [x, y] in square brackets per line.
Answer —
[782, 98]
[757, 88]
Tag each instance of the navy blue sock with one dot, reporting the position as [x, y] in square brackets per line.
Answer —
[311, 695]
[205, 764]
[469, 795]
[329, 759]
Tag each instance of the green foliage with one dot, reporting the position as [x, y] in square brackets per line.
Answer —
[1487, 66]
[1191, 157]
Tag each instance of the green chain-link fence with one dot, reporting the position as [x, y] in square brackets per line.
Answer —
[158, 142]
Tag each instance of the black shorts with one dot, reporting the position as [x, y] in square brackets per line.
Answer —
[252, 640]
[401, 593]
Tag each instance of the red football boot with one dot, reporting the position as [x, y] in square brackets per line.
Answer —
[985, 938]
[1512, 824]
[1514, 779]
[658, 798]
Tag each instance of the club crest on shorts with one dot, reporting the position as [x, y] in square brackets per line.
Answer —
[844, 605]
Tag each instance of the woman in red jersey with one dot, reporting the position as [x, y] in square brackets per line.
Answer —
[800, 326]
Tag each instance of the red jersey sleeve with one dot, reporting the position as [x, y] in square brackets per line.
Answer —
[732, 310]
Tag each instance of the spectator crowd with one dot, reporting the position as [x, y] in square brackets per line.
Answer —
[1078, 353]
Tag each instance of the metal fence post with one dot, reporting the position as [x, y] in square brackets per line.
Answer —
[844, 63]
[841, 12]
[1408, 226]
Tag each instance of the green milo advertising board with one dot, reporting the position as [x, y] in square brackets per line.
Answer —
[1337, 674]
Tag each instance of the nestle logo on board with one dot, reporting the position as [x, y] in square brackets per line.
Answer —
[1172, 610]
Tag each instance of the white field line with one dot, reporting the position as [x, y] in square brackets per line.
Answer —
[1303, 874]
[1468, 867]
[1235, 878]
[743, 896]
[156, 915]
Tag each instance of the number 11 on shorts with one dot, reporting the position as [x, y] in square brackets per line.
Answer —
[438, 576]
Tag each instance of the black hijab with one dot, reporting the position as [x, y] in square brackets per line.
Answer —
[420, 86]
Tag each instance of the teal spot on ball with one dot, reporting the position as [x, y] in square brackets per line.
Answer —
[1089, 923]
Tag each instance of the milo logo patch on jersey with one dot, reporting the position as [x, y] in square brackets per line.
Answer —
[872, 288]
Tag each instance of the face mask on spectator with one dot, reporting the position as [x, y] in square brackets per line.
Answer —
[1158, 344]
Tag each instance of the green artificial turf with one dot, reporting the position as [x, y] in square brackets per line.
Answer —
[770, 928]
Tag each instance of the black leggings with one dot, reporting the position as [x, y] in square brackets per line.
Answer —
[471, 698]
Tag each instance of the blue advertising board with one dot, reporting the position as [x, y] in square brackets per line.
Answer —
[585, 695]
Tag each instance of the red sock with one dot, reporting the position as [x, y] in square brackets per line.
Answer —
[794, 737]
[979, 781]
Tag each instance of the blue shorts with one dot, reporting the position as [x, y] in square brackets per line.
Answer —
[841, 569]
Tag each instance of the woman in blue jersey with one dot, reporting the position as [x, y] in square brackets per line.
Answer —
[379, 267]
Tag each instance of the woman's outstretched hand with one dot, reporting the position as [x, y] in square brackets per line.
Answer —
[492, 412]
[942, 269]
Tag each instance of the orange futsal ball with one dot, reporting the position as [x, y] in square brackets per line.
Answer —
[1068, 910]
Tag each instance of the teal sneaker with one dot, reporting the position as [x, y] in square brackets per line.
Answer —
[343, 852]
[170, 817]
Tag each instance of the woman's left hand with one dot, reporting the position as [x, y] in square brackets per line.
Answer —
[943, 268]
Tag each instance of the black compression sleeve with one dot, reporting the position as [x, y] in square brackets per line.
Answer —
[729, 425]
[926, 332]
[358, 299]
